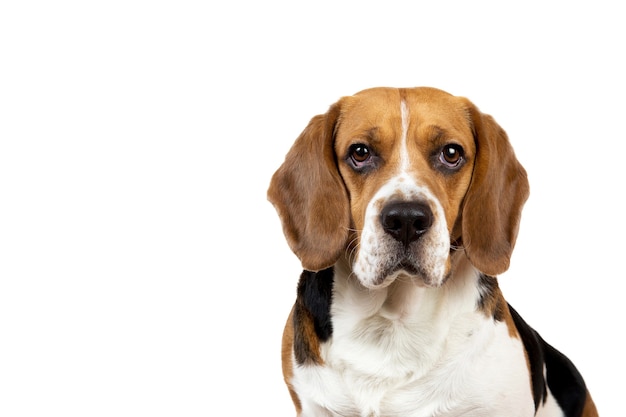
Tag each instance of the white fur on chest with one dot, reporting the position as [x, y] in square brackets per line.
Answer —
[433, 356]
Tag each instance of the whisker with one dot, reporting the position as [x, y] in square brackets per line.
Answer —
[352, 254]
[457, 247]
[353, 244]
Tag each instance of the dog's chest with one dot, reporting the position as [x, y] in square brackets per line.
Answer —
[384, 361]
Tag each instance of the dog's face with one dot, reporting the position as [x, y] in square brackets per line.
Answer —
[395, 179]
[406, 162]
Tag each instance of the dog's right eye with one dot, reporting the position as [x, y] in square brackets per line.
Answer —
[359, 153]
[361, 157]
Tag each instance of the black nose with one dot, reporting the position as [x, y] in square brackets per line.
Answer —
[406, 221]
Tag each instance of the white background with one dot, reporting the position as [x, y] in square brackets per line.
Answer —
[143, 272]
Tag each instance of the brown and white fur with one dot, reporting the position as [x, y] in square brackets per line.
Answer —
[403, 205]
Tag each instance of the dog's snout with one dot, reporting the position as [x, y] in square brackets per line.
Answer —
[406, 221]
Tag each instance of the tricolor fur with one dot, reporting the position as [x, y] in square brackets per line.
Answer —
[403, 205]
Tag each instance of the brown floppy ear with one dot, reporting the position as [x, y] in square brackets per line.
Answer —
[310, 197]
[493, 204]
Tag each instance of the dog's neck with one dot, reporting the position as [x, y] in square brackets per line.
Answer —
[403, 320]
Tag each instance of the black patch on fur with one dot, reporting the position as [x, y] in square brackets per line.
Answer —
[315, 289]
[534, 348]
[564, 380]
[312, 312]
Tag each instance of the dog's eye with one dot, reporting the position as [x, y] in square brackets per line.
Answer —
[361, 158]
[451, 156]
[359, 153]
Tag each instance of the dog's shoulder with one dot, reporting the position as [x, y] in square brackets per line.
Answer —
[311, 315]
[551, 370]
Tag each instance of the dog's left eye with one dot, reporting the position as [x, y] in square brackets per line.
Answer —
[451, 156]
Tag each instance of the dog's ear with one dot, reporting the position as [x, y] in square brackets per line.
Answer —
[493, 204]
[310, 196]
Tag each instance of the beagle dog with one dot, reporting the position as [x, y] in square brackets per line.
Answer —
[403, 205]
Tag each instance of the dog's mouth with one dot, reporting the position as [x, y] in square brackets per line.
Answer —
[425, 262]
[406, 266]
[412, 268]
[405, 269]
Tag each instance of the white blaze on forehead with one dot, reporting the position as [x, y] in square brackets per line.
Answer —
[404, 151]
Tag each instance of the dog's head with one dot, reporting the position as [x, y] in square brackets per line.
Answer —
[398, 179]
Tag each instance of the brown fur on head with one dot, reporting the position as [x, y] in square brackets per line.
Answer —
[318, 208]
